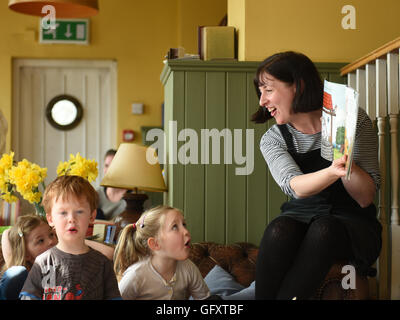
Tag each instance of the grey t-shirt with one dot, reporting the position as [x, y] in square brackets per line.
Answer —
[57, 275]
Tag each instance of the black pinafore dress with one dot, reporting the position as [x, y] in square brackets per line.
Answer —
[363, 228]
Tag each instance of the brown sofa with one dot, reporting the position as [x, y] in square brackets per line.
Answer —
[239, 260]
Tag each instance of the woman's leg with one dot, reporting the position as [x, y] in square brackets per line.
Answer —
[325, 242]
[278, 248]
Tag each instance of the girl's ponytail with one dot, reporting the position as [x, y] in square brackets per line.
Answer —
[125, 251]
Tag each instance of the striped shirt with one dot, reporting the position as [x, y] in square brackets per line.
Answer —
[283, 167]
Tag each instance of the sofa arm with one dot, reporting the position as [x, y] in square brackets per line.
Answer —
[239, 259]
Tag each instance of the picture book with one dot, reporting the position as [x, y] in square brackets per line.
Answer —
[339, 121]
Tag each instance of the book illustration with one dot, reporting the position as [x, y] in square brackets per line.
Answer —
[339, 121]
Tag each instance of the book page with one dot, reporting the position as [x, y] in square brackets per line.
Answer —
[339, 120]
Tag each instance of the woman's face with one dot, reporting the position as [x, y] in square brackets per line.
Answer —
[277, 96]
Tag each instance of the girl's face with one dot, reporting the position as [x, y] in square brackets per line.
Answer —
[277, 96]
[39, 240]
[174, 238]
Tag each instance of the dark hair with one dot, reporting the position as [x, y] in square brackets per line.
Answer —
[110, 152]
[291, 68]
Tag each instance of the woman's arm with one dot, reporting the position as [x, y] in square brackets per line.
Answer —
[361, 186]
[104, 249]
[309, 184]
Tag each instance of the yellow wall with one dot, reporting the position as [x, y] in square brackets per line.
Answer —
[237, 19]
[314, 28]
[137, 34]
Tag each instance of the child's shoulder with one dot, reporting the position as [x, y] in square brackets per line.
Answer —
[139, 268]
[186, 266]
[44, 256]
[96, 254]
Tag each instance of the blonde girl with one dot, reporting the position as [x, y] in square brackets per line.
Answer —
[29, 237]
[151, 259]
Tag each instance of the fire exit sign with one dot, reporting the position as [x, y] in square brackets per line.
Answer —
[66, 31]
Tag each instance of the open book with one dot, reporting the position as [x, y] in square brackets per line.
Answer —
[339, 121]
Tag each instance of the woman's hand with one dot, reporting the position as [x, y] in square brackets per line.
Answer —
[338, 167]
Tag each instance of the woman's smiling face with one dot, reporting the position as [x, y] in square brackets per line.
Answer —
[277, 96]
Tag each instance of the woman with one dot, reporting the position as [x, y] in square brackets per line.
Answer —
[328, 217]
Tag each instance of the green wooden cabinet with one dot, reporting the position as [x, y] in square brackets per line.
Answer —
[219, 205]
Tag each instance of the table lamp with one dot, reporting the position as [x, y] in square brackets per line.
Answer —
[134, 168]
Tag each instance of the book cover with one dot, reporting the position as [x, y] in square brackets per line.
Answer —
[339, 121]
[217, 43]
[100, 231]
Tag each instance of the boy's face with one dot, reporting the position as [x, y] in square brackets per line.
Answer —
[71, 217]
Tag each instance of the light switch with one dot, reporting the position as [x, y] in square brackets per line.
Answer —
[137, 108]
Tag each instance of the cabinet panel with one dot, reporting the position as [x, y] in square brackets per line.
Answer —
[215, 173]
[194, 170]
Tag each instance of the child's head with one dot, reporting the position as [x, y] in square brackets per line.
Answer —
[70, 203]
[29, 237]
[159, 228]
[66, 186]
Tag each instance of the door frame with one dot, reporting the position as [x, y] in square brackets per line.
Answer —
[19, 63]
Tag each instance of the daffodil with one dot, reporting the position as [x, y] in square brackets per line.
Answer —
[78, 166]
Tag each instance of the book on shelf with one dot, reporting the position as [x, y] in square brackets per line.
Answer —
[110, 235]
[99, 231]
[339, 122]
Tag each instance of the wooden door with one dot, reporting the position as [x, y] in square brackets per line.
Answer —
[36, 82]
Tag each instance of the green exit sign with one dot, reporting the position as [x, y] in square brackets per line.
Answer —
[66, 31]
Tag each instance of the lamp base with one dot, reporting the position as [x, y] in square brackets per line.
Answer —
[133, 211]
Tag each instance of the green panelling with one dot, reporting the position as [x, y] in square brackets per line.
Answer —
[257, 187]
[236, 184]
[215, 193]
[194, 182]
[219, 205]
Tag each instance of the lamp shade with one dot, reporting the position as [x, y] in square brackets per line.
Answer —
[130, 169]
[63, 8]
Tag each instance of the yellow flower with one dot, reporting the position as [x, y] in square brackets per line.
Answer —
[27, 177]
[9, 197]
[78, 166]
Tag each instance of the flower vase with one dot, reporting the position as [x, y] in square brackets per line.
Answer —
[40, 210]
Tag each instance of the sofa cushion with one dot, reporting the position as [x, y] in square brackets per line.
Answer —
[223, 284]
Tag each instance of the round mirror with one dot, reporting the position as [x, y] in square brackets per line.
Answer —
[64, 112]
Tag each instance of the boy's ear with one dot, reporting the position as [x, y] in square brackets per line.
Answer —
[153, 244]
[49, 220]
[93, 216]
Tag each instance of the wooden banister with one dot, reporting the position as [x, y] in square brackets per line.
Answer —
[377, 53]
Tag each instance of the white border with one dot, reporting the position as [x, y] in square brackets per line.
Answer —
[86, 42]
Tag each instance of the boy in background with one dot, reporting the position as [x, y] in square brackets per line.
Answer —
[71, 270]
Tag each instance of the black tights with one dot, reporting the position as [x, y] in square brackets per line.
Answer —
[294, 257]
